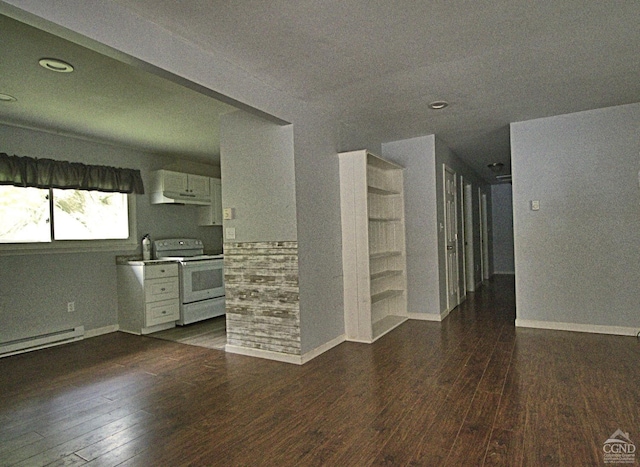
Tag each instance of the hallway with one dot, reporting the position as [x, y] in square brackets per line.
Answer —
[472, 390]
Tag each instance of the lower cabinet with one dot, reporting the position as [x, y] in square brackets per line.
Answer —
[148, 297]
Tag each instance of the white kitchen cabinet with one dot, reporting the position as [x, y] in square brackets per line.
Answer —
[212, 214]
[168, 187]
[148, 297]
[373, 245]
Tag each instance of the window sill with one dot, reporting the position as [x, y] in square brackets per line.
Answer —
[88, 246]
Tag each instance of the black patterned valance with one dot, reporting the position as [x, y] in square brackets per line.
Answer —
[48, 173]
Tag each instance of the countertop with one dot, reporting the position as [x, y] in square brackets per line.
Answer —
[136, 260]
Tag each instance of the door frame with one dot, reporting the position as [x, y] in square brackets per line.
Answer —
[484, 227]
[469, 238]
[462, 257]
[452, 277]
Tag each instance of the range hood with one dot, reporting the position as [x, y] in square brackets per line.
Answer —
[173, 197]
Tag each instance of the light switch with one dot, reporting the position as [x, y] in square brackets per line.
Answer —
[230, 233]
[228, 214]
[535, 205]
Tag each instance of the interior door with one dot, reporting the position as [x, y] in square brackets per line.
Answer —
[451, 237]
[468, 238]
[480, 218]
[462, 243]
[485, 239]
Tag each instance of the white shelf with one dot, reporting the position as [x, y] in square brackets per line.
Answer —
[385, 274]
[385, 295]
[384, 255]
[385, 219]
[387, 324]
[372, 212]
[380, 191]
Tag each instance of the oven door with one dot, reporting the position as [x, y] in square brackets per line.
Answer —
[201, 280]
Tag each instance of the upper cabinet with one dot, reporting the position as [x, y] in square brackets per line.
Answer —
[181, 188]
[212, 215]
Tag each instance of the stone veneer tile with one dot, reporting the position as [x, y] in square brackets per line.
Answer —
[261, 283]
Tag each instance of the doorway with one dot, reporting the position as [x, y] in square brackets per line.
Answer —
[468, 238]
[451, 237]
[484, 236]
[462, 243]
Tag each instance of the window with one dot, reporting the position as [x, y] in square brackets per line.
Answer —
[52, 204]
[37, 215]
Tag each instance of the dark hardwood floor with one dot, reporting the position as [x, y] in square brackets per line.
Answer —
[469, 391]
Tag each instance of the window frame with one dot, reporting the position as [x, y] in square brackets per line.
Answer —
[79, 246]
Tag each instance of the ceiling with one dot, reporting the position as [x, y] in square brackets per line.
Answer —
[374, 65]
[102, 99]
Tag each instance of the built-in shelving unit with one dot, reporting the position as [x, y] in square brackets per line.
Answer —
[373, 245]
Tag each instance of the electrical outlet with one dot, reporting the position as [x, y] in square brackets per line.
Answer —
[71, 307]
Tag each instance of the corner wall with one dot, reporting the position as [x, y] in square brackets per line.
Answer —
[417, 156]
[261, 256]
[577, 259]
[422, 158]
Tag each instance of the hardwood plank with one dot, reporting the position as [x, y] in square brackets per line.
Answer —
[67, 448]
[505, 448]
[471, 390]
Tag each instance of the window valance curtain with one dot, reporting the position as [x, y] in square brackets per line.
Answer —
[48, 173]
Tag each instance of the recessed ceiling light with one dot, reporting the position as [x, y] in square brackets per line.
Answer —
[7, 98]
[56, 65]
[496, 167]
[438, 105]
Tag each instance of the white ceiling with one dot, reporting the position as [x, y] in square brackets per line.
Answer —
[375, 65]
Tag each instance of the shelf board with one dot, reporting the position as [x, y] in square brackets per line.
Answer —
[383, 274]
[382, 191]
[386, 324]
[376, 161]
[384, 219]
[386, 294]
[385, 254]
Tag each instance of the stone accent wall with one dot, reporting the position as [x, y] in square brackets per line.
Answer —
[261, 283]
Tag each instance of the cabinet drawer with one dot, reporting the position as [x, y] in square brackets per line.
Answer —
[162, 312]
[160, 289]
[158, 271]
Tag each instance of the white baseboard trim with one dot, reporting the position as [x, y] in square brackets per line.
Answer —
[428, 316]
[576, 327]
[100, 331]
[282, 357]
[323, 348]
[266, 354]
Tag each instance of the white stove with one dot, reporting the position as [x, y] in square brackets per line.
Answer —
[190, 258]
[201, 278]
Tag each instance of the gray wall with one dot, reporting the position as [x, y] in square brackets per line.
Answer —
[417, 156]
[319, 232]
[256, 163]
[577, 259]
[423, 158]
[502, 224]
[35, 287]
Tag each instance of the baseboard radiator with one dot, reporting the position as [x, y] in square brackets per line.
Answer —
[41, 341]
